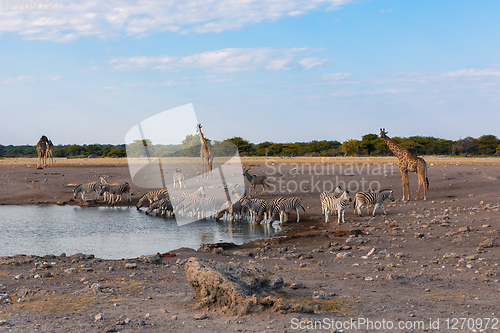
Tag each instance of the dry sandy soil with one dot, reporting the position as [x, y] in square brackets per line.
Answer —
[430, 260]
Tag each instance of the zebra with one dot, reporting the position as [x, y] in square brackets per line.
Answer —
[86, 188]
[178, 177]
[177, 205]
[372, 198]
[265, 212]
[115, 189]
[253, 206]
[192, 201]
[234, 210]
[335, 194]
[338, 204]
[162, 206]
[208, 204]
[286, 206]
[151, 196]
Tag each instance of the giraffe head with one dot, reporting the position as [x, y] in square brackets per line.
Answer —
[383, 133]
[198, 128]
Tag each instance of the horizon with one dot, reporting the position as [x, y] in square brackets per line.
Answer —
[286, 71]
[254, 143]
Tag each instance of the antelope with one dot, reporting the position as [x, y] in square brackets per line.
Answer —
[256, 180]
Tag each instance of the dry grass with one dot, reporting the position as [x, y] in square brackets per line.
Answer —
[339, 305]
[78, 162]
[55, 303]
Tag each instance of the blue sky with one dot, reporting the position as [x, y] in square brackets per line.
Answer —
[265, 70]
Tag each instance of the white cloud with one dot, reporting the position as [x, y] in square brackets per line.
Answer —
[71, 19]
[27, 79]
[370, 92]
[335, 76]
[425, 77]
[311, 62]
[225, 60]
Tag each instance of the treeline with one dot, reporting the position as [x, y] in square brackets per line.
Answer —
[71, 151]
[369, 145]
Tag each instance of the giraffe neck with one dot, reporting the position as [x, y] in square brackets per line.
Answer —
[395, 148]
[202, 139]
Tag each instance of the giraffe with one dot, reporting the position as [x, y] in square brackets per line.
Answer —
[49, 153]
[41, 151]
[206, 153]
[408, 162]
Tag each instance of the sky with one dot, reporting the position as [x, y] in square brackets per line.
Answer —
[88, 71]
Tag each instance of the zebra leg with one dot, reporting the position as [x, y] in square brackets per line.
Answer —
[298, 215]
[374, 209]
[383, 208]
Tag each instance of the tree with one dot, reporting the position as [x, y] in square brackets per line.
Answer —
[466, 146]
[488, 144]
[245, 148]
[351, 147]
[369, 143]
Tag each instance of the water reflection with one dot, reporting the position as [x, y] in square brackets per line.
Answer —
[109, 233]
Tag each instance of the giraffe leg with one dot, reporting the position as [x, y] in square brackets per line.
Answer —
[418, 191]
[406, 186]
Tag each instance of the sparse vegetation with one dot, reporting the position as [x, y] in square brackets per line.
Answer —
[369, 145]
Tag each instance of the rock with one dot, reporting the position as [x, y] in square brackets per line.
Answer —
[344, 255]
[319, 295]
[200, 316]
[464, 229]
[131, 265]
[450, 255]
[98, 317]
[19, 276]
[237, 289]
[151, 259]
[486, 243]
[297, 286]
[393, 277]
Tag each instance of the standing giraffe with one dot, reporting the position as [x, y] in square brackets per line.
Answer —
[41, 151]
[206, 153]
[408, 162]
[49, 153]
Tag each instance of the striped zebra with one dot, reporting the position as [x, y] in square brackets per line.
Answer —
[162, 206]
[86, 188]
[178, 205]
[151, 196]
[253, 207]
[178, 177]
[335, 194]
[372, 198]
[192, 202]
[115, 189]
[233, 210]
[266, 211]
[208, 204]
[337, 204]
[286, 206]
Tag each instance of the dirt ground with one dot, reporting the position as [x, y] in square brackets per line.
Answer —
[423, 267]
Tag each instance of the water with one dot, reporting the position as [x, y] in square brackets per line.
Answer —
[108, 233]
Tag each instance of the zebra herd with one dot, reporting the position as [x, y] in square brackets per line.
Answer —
[111, 193]
[197, 205]
[337, 201]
